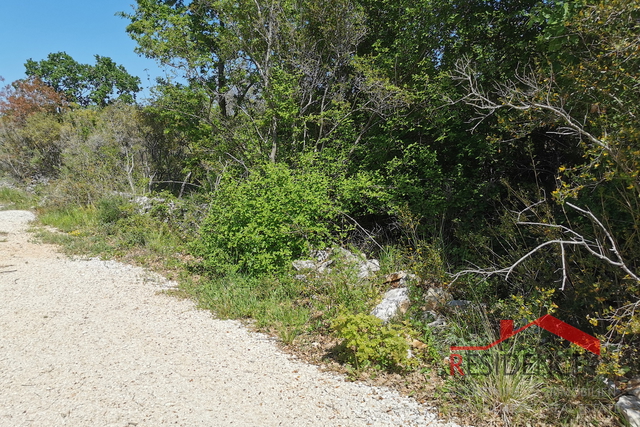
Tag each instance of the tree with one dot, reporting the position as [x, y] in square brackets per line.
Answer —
[98, 84]
[23, 98]
[276, 75]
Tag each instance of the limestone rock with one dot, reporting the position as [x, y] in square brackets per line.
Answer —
[395, 301]
[459, 303]
[367, 268]
[633, 387]
[324, 266]
[304, 265]
[399, 279]
[433, 319]
[629, 407]
[435, 297]
[346, 254]
[321, 256]
[395, 277]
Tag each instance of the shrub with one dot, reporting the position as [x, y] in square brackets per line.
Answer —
[262, 223]
[110, 210]
[370, 343]
[30, 149]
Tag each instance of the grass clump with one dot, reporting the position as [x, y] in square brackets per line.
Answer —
[506, 390]
[70, 219]
[114, 227]
[14, 198]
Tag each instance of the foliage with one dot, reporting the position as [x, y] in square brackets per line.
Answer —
[30, 129]
[436, 134]
[23, 98]
[84, 84]
[587, 98]
[110, 210]
[262, 223]
[31, 149]
[369, 343]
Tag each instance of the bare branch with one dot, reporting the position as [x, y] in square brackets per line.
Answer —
[526, 93]
[606, 251]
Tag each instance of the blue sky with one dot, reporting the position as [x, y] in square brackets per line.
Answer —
[31, 29]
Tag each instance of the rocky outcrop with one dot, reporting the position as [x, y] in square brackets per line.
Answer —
[628, 404]
[320, 264]
[301, 265]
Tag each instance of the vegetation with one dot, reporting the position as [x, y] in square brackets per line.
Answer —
[85, 84]
[489, 147]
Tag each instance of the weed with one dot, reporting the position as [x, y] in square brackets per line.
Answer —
[367, 342]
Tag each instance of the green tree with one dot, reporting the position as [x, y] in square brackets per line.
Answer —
[286, 66]
[85, 84]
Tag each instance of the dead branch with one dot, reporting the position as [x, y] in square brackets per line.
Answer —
[604, 249]
[523, 94]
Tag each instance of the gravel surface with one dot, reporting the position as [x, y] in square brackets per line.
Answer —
[93, 343]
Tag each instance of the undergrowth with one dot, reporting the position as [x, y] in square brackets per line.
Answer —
[14, 198]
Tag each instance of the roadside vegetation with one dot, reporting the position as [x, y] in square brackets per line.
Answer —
[498, 170]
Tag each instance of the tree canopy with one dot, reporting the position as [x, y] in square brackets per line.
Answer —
[23, 98]
[98, 84]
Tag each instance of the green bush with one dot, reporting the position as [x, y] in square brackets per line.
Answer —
[260, 224]
[110, 210]
[31, 149]
[370, 343]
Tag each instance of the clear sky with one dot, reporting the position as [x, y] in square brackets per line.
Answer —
[31, 29]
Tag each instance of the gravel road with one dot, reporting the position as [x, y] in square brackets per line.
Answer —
[94, 343]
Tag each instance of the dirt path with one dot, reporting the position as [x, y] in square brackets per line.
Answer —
[93, 343]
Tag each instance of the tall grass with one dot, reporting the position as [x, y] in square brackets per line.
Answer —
[13, 198]
[70, 218]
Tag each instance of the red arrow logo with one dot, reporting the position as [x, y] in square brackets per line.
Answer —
[551, 324]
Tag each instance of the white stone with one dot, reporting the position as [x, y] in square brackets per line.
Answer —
[346, 254]
[320, 255]
[325, 266]
[304, 265]
[367, 268]
[629, 407]
[394, 301]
